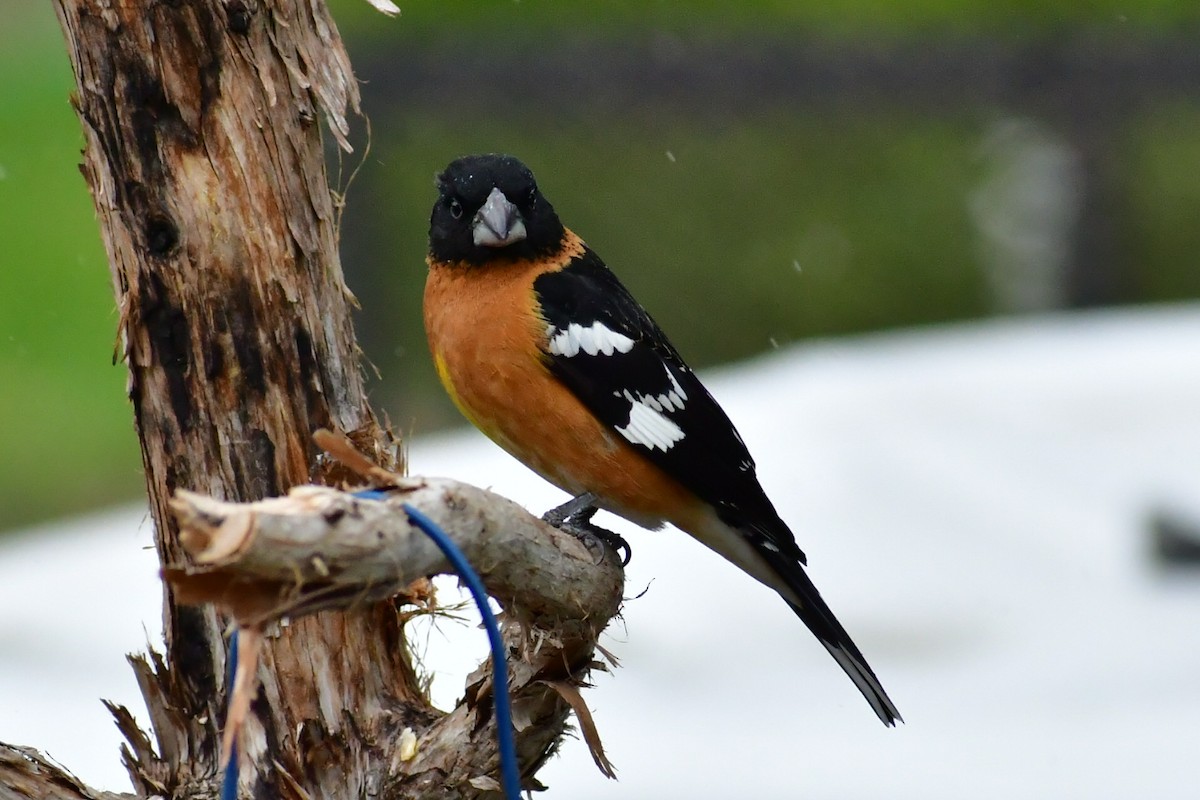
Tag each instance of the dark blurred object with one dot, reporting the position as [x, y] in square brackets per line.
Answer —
[1175, 539]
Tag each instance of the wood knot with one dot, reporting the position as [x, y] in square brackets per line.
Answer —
[238, 15]
[161, 236]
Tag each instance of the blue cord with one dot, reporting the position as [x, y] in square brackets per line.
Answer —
[229, 781]
[501, 701]
[503, 705]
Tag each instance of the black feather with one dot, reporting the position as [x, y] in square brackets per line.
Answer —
[819, 618]
[467, 182]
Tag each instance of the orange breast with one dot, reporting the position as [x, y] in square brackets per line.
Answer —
[486, 340]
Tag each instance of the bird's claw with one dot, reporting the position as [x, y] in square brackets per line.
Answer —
[575, 517]
[593, 535]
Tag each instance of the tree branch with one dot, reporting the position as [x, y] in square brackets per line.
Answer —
[319, 548]
[25, 773]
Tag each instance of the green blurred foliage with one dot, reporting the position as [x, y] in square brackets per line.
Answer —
[737, 234]
[845, 19]
[736, 238]
[1164, 199]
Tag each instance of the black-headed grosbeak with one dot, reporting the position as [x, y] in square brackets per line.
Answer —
[546, 352]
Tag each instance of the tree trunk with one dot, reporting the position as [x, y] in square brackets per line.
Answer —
[204, 158]
[205, 162]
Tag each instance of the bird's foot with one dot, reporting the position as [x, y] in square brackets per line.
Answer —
[575, 517]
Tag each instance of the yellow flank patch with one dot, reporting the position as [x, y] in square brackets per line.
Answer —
[443, 371]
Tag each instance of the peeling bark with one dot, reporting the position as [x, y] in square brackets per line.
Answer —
[25, 773]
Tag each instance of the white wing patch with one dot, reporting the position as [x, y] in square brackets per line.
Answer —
[658, 402]
[671, 400]
[649, 424]
[595, 339]
[677, 395]
[649, 427]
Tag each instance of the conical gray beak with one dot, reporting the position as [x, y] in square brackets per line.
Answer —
[498, 222]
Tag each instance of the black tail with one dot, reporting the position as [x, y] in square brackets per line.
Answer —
[813, 611]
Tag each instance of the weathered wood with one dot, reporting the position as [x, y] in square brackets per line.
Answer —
[25, 773]
[320, 548]
[204, 159]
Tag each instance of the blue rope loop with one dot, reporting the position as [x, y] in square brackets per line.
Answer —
[501, 700]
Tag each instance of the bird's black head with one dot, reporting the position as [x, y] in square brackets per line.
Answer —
[489, 207]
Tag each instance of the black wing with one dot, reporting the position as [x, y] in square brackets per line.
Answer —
[614, 357]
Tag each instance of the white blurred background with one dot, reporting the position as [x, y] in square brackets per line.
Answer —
[976, 502]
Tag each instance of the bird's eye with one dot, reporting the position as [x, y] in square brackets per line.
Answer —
[456, 209]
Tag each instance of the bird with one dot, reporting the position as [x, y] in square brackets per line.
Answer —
[545, 351]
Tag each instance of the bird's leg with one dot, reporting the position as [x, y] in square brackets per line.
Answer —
[575, 517]
[581, 507]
